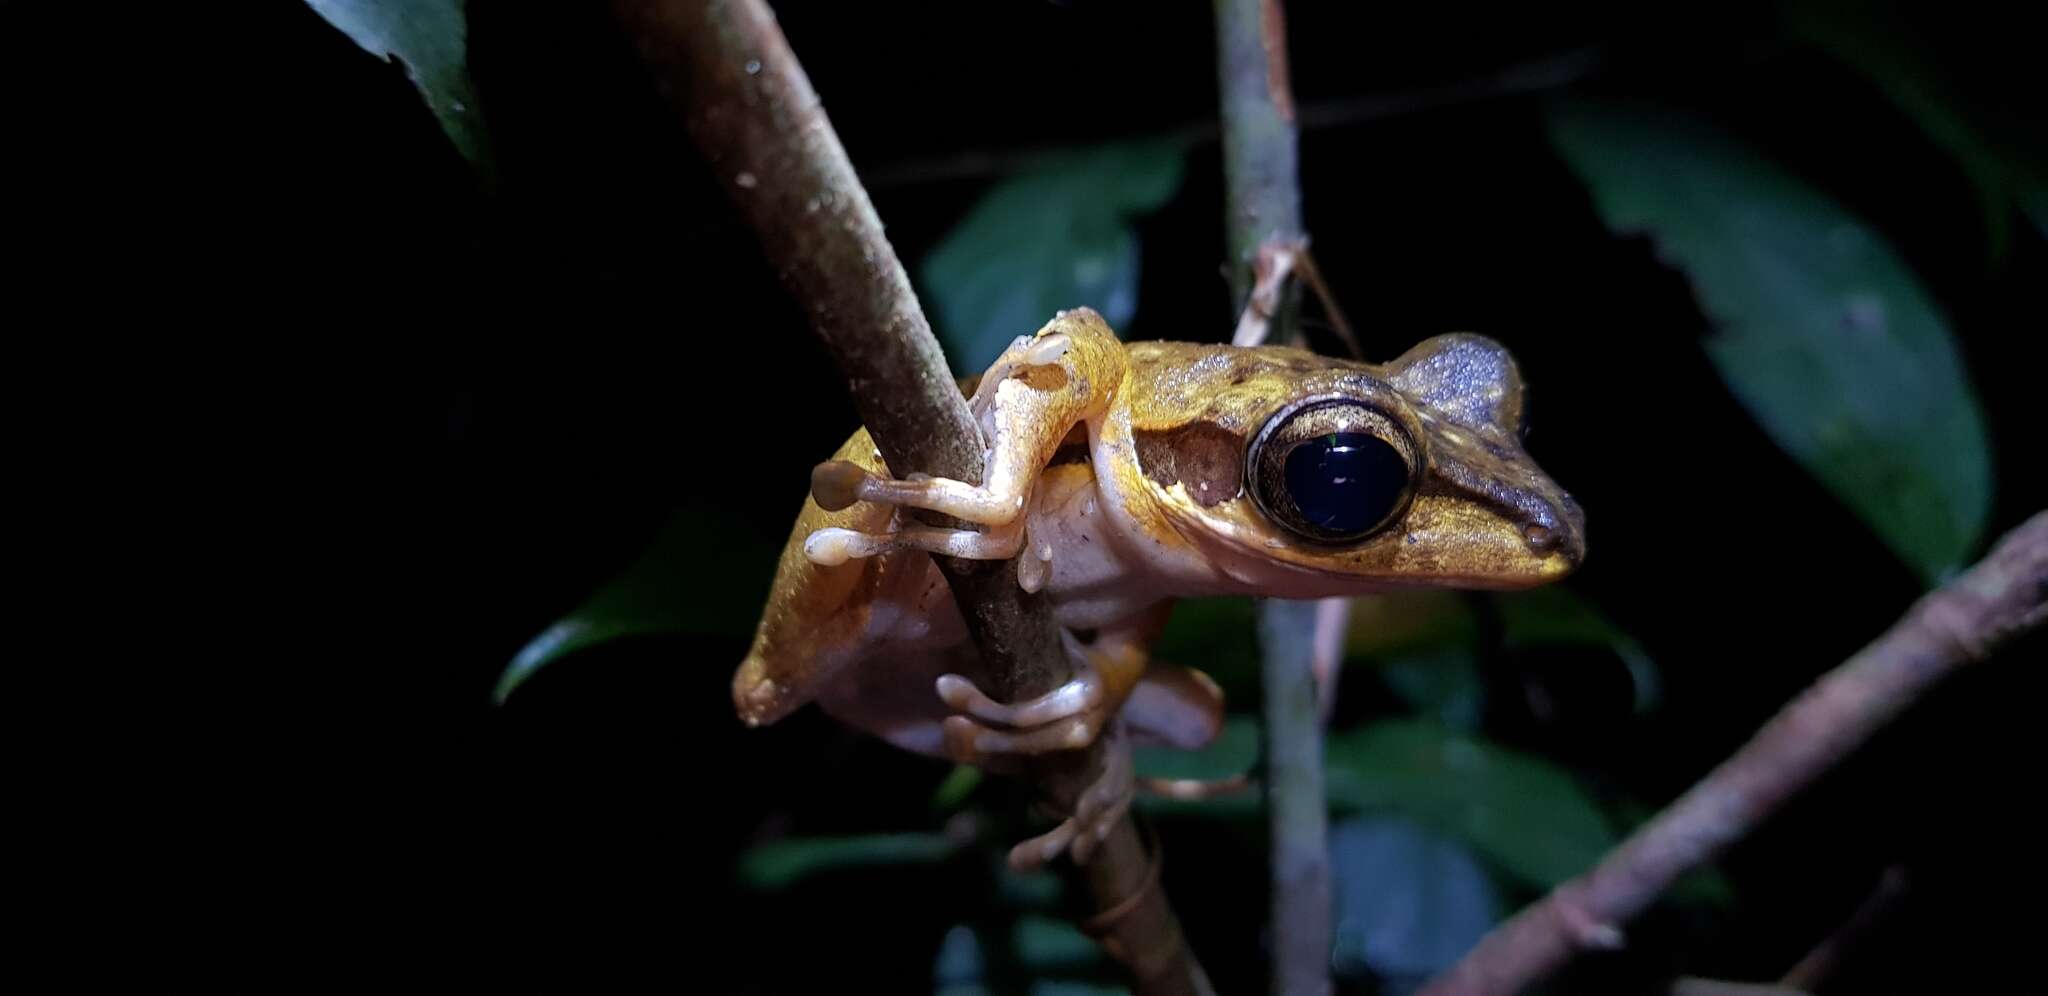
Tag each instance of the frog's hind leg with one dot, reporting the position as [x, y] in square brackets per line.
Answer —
[1069, 717]
[1027, 403]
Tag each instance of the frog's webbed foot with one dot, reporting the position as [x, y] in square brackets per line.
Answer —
[988, 733]
[1028, 403]
[1096, 813]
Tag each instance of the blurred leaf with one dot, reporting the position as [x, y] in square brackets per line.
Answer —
[1555, 615]
[1441, 682]
[1993, 136]
[1408, 903]
[1401, 621]
[1052, 946]
[668, 590]
[1069, 987]
[959, 784]
[1040, 945]
[1235, 752]
[1424, 644]
[779, 864]
[428, 39]
[1214, 636]
[1524, 814]
[960, 963]
[1054, 236]
[1821, 332]
[1026, 890]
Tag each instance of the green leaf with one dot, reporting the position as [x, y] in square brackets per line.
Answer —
[1057, 235]
[1555, 615]
[1991, 130]
[959, 784]
[667, 590]
[1524, 814]
[1234, 752]
[428, 39]
[1441, 682]
[1052, 946]
[1400, 622]
[1821, 331]
[1408, 902]
[1215, 636]
[780, 864]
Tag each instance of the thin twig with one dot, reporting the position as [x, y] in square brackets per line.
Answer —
[1263, 222]
[1523, 78]
[1333, 623]
[1313, 276]
[1821, 963]
[1272, 273]
[756, 119]
[1960, 623]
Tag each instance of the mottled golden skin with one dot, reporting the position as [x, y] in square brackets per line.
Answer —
[1118, 476]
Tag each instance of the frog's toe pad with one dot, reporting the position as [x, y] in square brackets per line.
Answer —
[1083, 693]
[835, 484]
[969, 741]
[832, 546]
[1047, 349]
[1096, 813]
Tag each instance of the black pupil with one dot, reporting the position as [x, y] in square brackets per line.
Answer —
[1346, 482]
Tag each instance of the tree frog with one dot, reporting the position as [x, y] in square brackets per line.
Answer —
[1121, 477]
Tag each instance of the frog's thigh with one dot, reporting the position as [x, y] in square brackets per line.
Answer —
[1176, 707]
[1029, 400]
[890, 695]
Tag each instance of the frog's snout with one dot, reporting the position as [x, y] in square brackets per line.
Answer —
[1558, 536]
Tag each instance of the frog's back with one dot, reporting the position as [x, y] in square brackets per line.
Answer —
[818, 617]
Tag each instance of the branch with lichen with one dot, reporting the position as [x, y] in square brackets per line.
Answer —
[1263, 222]
[1959, 624]
[753, 114]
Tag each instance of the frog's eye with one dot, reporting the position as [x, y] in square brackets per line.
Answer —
[1334, 471]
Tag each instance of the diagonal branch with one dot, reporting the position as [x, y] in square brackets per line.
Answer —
[753, 114]
[1958, 624]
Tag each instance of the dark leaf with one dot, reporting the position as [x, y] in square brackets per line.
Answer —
[1408, 902]
[666, 591]
[1235, 752]
[1214, 636]
[428, 38]
[778, 864]
[1525, 815]
[1821, 332]
[1055, 236]
[1556, 616]
[1992, 132]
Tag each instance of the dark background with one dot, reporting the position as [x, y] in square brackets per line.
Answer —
[489, 405]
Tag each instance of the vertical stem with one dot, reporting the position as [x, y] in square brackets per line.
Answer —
[1262, 180]
[1294, 800]
[1264, 205]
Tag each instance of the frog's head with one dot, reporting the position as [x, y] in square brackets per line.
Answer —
[1302, 475]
